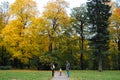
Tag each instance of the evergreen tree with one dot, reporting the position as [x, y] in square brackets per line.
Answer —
[99, 13]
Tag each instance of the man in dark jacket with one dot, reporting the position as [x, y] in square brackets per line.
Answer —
[52, 66]
[68, 68]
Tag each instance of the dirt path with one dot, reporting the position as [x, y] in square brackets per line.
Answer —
[58, 77]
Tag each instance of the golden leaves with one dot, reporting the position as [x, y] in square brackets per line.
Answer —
[114, 29]
[23, 9]
[113, 47]
[116, 16]
[55, 11]
[19, 36]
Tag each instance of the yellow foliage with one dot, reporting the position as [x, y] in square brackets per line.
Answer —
[55, 11]
[113, 47]
[20, 35]
[115, 22]
[23, 8]
[114, 29]
[17, 54]
[57, 19]
[116, 15]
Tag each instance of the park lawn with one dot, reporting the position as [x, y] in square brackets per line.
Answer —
[94, 75]
[24, 75]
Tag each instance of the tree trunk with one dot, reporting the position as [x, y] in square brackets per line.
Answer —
[15, 63]
[2, 56]
[100, 61]
[82, 47]
[29, 64]
[119, 54]
[21, 65]
[94, 61]
[50, 46]
[50, 43]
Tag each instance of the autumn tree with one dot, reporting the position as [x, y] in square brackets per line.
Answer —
[18, 36]
[114, 29]
[55, 13]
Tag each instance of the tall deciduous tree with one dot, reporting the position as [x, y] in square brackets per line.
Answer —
[114, 29]
[79, 15]
[18, 37]
[99, 14]
[55, 14]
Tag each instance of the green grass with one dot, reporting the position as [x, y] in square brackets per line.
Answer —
[24, 75]
[95, 75]
[46, 75]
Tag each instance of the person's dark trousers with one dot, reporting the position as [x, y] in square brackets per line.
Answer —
[53, 73]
